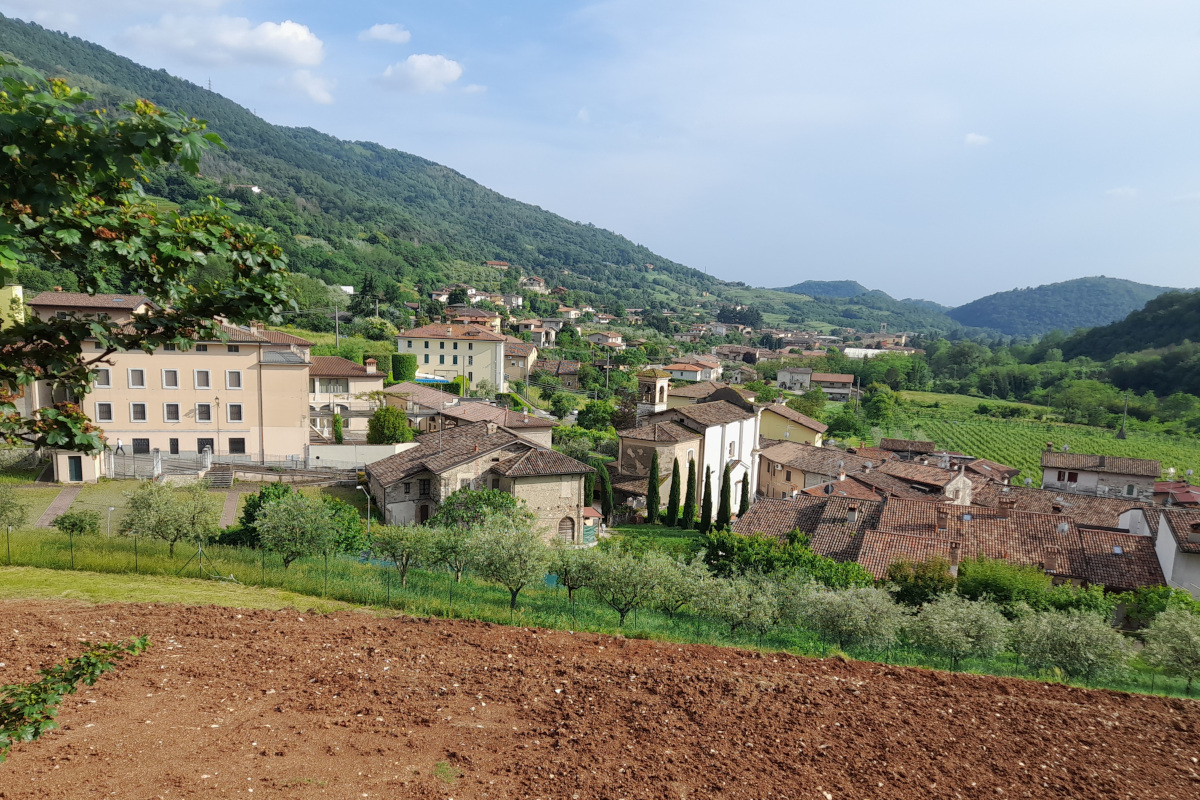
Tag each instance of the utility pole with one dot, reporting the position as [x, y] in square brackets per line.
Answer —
[1124, 415]
[337, 326]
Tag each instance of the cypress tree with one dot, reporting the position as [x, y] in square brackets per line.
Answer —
[652, 501]
[673, 499]
[725, 509]
[745, 496]
[688, 518]
[705, 522]
[606, 492]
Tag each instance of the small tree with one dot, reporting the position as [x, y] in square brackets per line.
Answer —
[745, 503]
[248, 536]
[404, 545]
[349, 526]
[863, 617]
[13, 511]
[672, 516]
[561, 404]
[454, 548]
[957, 628]
[572, 566]
[596, 415]
[388, 425]
[339, 435]
[624, 581]
[688, 518]
[152, 513]
[606, 490]
[198, 510]
[743, 601]
[485, 389]
[680, 584]
[470, 508]
[921, 582]
[725, 510]
[295, 526]
[1173, 644]
[652, 500]
[78, 523]
[404, 367]
[811, 403]
[510, 551]
[704, 524]
[1080, 644]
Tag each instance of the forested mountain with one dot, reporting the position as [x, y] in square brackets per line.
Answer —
[1079, 303]
[827, 288]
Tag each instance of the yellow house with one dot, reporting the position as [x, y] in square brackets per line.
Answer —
[12, 304]
[783, 424]
[449, 351]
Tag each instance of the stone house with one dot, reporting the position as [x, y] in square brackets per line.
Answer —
[1081, 473]
[565, 370]
[794, 379]
[636, 450]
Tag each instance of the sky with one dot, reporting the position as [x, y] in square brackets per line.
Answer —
[941, 150]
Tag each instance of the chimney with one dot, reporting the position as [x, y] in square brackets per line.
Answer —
[842, 475]
[58, 288]
[491, 429]
[852, 515]
[370, 364]
[255, 327]
[955, 557]
[1057, 507]
[1049, 445]
[1050, 560]
[943, 520]
[866, 468]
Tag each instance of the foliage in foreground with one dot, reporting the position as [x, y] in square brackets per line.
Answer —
[27, 710]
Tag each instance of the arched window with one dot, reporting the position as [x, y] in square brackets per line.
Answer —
[662, 394]
[566, 529]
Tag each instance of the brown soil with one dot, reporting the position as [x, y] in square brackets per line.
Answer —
[294, 705]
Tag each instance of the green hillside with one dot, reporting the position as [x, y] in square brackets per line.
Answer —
[827, 288]
[1079, 303]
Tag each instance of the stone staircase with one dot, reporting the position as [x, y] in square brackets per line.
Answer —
[220, 476]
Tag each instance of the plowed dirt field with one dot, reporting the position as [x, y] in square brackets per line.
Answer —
[280, 704]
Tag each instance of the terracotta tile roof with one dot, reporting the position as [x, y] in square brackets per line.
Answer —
[877, 455]
[557, 367]
[1084, 462]
[516, 347]
[485, 412]
[918, 473]
[683, 368]
[1184, 523]
[441, 330]
[778, 518]
[907, 445]
[659, 432]
[478, 313]
[653, 373]
[993, 469]
[846, 488]
[831, 377]
[889, 485]
[1120, 560]
[827, 520]
[881, 549]
[719, 412]
[540, 462]
[1090, 510]
[280, 337]
[338, 367]
[811, 459]
[630, 484]
[438, 451]
[422, 395]
[795, 416]
[107, 302]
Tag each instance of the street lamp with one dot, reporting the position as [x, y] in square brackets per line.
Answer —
[363, 489]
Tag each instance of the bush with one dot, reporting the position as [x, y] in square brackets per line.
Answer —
[376, 329]
[404, 367]
[956, 628]
[743, 601]
[862, 617]
[1143, 605]
[349, 527]
[729, 553]
[919, 583]
[247, 533]
[388, 425]
[1079, 644]
[1173, 644]
[1003, 583]
[78, 522]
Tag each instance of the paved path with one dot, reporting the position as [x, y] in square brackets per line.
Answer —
[229, 515]
[59, 506]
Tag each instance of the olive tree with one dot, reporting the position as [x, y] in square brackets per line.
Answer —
[295, 526]
[623, 580]
[958, 628]
[453, 548]
[572, 566]
[404, 545]
[1080, 644]
[865, 617]
[160, 511]
[13, 510]
[740, 601]
[509, 551]
[680, 584]
[1173, 644]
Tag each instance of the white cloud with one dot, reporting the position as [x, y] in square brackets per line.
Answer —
[231, 40]
[976, 140]
[423, 73]
[583, 115]
[1123, 191]
[318, 89]
[386, 32]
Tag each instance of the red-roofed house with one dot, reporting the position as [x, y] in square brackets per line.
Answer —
[446, 351]
[334, 386]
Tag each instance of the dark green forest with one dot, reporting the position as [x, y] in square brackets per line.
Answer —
[827, 288]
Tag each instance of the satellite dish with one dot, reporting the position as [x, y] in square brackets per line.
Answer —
[1029, 481]
[1063, 527]
[1189, 473]
[828, 488]
[1066, 447]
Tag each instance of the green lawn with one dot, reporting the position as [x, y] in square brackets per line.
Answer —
[674, 541]
[37, 499]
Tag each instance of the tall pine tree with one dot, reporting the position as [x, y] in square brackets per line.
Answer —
[688, 518]
[673, 499]
[725, 509]
[705, 523]
[745, 506]
[652, 501]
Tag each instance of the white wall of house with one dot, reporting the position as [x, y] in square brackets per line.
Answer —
[1181, 570]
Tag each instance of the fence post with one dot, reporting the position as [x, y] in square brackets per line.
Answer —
[157, 468]
[206, 458]
[71, 539]
[8, 544]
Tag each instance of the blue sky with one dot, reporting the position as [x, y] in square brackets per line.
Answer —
[942, 150]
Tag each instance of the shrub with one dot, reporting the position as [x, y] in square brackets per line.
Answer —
[247, 536]
[743, 601]
[1079, 644]
[509, 551]
[1002, 582]
[349, 526]
[78, 523]
[404, 367]
[1143, 605]
[1173, 644]
[339, 435]
[388, 425]
[296, 525]
[470, 508]
[919, 583]
[956, 628]
[731, 553]
[865, 617]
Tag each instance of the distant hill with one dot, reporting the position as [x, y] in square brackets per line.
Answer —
[1079, 303]
[1166, 321]
[828, 288]
[928, 305]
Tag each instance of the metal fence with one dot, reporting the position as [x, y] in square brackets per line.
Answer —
[153, 464]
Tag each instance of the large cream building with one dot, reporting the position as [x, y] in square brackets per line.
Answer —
[446, 350]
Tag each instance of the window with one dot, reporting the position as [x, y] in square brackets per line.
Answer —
[170, 378]
[201, 348]
[104, 412]
[203, 412]
[233, 348]
[173, 446]
[137, 412]
[441, 359]
[496, 484]
[464, 483]
[691, 454]
[137, 379]
[103, 378]
[171, 412]
[1072, 477]
[788, 476]
[410, 344]
[470, 361]
[237, 447]
[408, 488]
[97, 346]
[732, 445]
[423, 486]
[427, 358]
[470, 377]
[233, 379]
[470, 345]
[204, 444]
[170, 348]
[202, 379]
[426, 344]
[456, 361]
[456, 345]
[441, 345]
[233, 412]
[1130, 490]
[141, 446]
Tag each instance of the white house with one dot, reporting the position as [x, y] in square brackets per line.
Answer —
[1177, 544]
